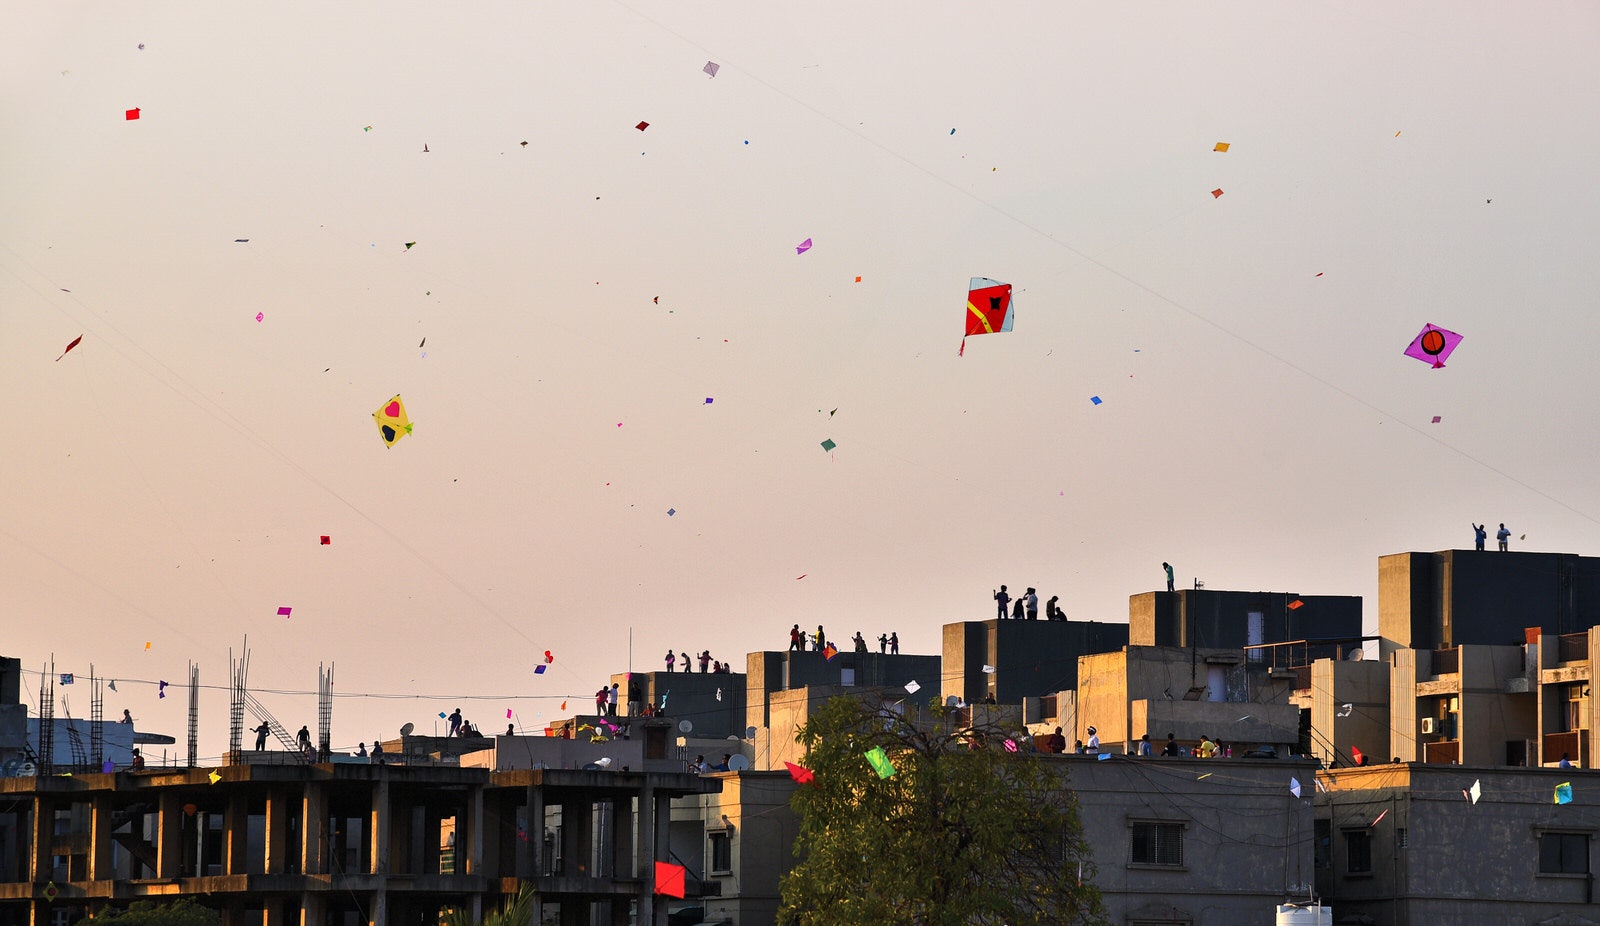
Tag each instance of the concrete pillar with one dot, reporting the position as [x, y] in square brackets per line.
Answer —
[472, 820]
[380, 906]
[44, 828]
[313, 826]
[576, 824]
[272, 913]
[169, 834]
[645, 853]
[533, 867]
[277, 831]
[100, 839]
[378, 827]
[313, 909]
[622, 823]
[236, 835]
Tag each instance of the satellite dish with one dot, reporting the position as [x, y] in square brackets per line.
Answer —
[749, 733]
[738, 764]
[734, 737]
[407, 728]
[1355, 655]
[28, 770]
[685, 726]
[952, 701]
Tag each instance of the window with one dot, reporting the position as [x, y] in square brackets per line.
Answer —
[1563, 853]
[1358, 852]
[1157, 844]
[1322, 856]
[721, 851]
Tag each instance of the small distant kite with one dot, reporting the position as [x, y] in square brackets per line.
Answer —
[131, 114]
[410, 245]
[642, 126]
[1222, 146]
[828, 445]
[284, 611]
[803, 246]
[712, 68]
[326, 540]
[1217, 193]
[393, 423]
[1433, 345]
[75, 342]
[989, 308]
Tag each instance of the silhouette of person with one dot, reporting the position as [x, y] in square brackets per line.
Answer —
[894, 644]
[1168, 568]
[1479, 535]
[1001, 599]
[261, 735]
[1504, 536]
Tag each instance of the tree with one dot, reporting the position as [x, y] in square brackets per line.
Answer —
[184, 912]
[964, 832]
[515, 910]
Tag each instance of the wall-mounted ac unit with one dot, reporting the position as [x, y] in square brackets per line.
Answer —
[1430, 725]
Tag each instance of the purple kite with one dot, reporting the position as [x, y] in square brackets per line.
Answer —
[1433, 345]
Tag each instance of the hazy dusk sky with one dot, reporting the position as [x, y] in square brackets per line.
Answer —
[583, 294]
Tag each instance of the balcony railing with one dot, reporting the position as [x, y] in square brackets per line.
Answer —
[1445, 753]
[1573, 647]
[1574, 743]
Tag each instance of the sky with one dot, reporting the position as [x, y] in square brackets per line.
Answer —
[621, 372]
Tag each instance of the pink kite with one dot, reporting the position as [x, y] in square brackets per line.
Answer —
[803, 246]
[1433, 345]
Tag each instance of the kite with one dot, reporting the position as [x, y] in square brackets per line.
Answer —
[989, 308]
[1433, 345]
[830, 651]
[1380, 817]
[410, 245]
[107, 767]
[66, 678]
[642, 126]
[131, 114]
[708, 400]
[671, 512]
[801, 576]
[284, 611]
[508, 713]
[879, 760]
[1104, 756]
[1296, 604]
[1222, 146]
[75, 342]
[161, 691]
[393, 423]
[800, 773]
[669, 879]
[988, 670]
[326, 540]
[1344, 710]
[711, 68]
[1356, 755]
[1217, 193]
[803, 246]
[1095, 400]
[912, 687]
[1473, 793]
[1294, 786]
[260, 316]
[1437, 419]
[538, 670]
[1011, 745]
[214, 776]
[1564, 793]
[828, 445]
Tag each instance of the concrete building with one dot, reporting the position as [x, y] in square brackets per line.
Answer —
[1453, 597]
[1027, 659]
[772, 674]
[341, 843]
[1406, 845]
[1187, 692]
[738, 843]
[1469, 704]
[1195, 842]
[1566, 696]
[712, 702]
[1234, 620]
[1345, 705]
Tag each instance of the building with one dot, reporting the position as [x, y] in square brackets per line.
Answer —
[1236, 620]
[1409, 844]
[343, 843]
[1467, 704]
[1011, 660]
[1195, 842]
[1189, 693]
[1442, 600]
[737, 844]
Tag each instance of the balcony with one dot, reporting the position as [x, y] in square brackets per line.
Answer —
[1447, 752]
[1575, 743]
[1446, 662]
[1573, 647]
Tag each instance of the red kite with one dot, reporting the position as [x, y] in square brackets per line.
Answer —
[988, 308]
[669, 879]
[75, 342]
[800, 773]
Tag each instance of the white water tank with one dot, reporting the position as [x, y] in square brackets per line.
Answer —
[1304, 915]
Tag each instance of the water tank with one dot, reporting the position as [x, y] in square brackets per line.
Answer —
[1304, 915]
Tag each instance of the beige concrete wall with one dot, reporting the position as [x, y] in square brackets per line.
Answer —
[1394, 601]
[1489, 715]
[1363, 685]
[1142, 619]
[1405, 671]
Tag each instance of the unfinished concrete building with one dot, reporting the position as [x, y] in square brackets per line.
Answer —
[340, 844]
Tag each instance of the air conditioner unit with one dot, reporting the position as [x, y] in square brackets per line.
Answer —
[1430, 725]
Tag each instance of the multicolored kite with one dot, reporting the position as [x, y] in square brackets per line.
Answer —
[1433, 345]
[988, 308]
[393, 423]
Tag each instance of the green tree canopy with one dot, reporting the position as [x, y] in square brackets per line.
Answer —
[964, 832]
[183, 912]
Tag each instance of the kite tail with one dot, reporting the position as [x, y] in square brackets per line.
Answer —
[963, 351]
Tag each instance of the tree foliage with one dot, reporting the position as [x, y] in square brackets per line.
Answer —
[183, 912]
[515, 910]
[965, 833]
